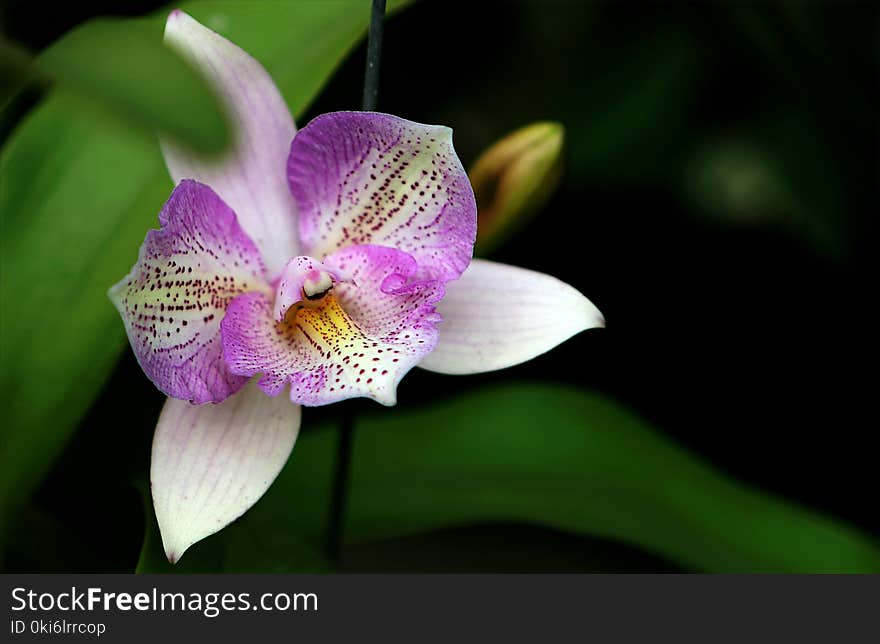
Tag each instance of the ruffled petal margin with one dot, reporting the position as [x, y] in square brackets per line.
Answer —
[176, 294]
[359, 340]
[369, 178]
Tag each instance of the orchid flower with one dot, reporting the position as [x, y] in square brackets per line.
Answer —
[305, 268]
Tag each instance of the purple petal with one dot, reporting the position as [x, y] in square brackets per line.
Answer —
[176, 294]
[497, 316]
[358, 340]
[368, 178]
[211, 463]
[251, 178]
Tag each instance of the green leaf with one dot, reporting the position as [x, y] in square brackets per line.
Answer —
[578, 462]
[553, 456]
[76, 198]
[78, 192]
[124, 65]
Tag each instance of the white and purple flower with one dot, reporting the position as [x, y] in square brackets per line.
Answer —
[305, 274]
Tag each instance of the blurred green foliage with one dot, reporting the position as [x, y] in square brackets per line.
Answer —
[542, 454]
[125, 65]
[78, 191]
[15, 70]
[645, 106]
[634, 111]
[776, 176]
[735, 180]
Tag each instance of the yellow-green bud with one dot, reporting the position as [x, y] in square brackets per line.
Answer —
[514, 178]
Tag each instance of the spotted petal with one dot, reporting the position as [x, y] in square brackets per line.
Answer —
[358, 340]
[368, 178]
[497, 316]
[251, 178]
[173, 299]
[211, 463]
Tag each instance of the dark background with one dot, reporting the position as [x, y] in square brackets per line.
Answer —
[746, 333]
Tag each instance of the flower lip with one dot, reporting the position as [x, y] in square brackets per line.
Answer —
[358, 338]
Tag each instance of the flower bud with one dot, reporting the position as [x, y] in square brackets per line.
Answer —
[514, 178]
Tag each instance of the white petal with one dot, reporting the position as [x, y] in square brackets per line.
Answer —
[211, 463]
[496, 316]
[252, 178]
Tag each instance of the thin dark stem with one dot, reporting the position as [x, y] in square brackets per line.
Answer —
[374, 56]
[340, 483]
[346, 426]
